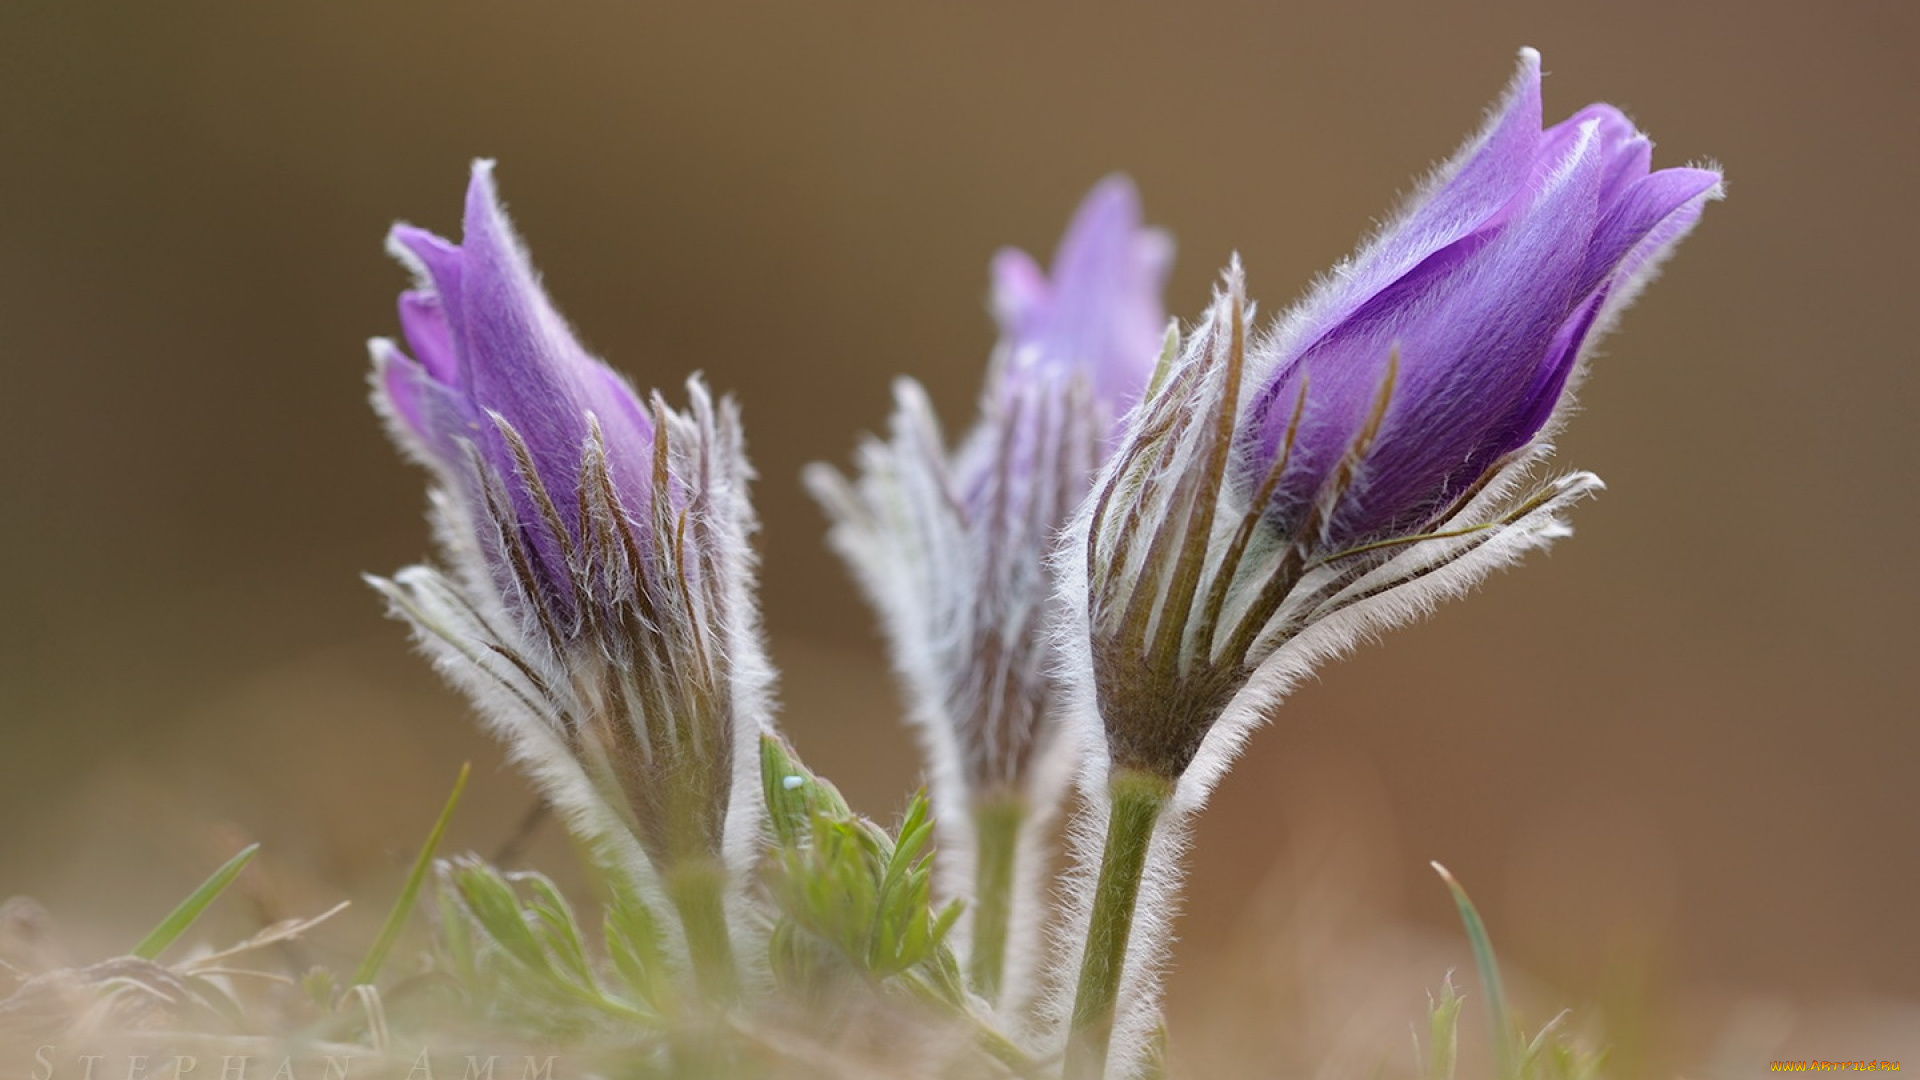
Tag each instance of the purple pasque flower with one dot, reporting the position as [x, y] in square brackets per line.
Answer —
[597, 600]
[1099, 314]
[1077, 348]
[497, 376]
[1477, 302]
[952, 546]
[1276, 497]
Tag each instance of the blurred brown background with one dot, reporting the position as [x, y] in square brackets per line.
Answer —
[1675, 760]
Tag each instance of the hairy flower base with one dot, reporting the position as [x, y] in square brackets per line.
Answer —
[632, 692]
[1194, 600]
[620, 697]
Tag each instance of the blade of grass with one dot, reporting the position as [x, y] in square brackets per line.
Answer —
[403, 905]
[181, 917]
[1489, 977]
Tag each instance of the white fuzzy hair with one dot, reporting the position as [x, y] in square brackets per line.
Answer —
[534, 693]
[946, 576]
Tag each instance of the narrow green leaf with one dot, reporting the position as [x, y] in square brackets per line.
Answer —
[456, 935]
[1503, 1038]
[403, 905]
[632, 935]
[494, 905]
[558, 927]
[181, 917]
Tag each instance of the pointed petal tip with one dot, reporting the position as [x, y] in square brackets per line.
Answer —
[396, 381]
[1715, 191]
[1018, 286]
[485, 218]
[481, 186]
[1115, 193]
[1706, 183]
[387, 353]
[1521, 101]
[1110, 210]
[419, 249]
[435, 262]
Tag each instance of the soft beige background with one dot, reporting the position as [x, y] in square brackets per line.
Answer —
[1675, 760]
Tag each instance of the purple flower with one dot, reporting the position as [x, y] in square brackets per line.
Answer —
[1100, 313]
[952, 547]
[497, 373]
[1280, 495]
[1481, 297]
[597, 603]
[1077, 348]
[1276, 499]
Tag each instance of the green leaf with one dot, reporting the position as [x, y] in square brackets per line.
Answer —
[456, 935]
[492, 903]
[795, 797]
[844, 886]
[1503, 1038]
[181, 917]
[403, 906]
[1443, 1031]
[558, 928]
[632, 934]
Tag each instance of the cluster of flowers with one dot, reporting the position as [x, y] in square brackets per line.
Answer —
[1148, 536]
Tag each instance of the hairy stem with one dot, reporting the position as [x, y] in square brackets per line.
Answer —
[1138, 799]
[697, 889]
[996, 825]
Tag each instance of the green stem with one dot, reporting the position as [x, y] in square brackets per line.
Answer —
[697, 890]
[1138, 800]
[996, 825]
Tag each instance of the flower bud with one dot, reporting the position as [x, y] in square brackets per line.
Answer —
[953, 547]
[1278, 496]
[597, 601]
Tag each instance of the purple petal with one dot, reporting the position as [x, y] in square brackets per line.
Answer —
[491, 345]
[439, 261]
[518, 360]
[1487, 289]
[1020, 291]
[430, 416]
[1650, 216]
[1629, 153]
[1549, 383]
[1473, 350]
[398, 379]
[424, 322]
[1469, 193]
[1100, 311]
